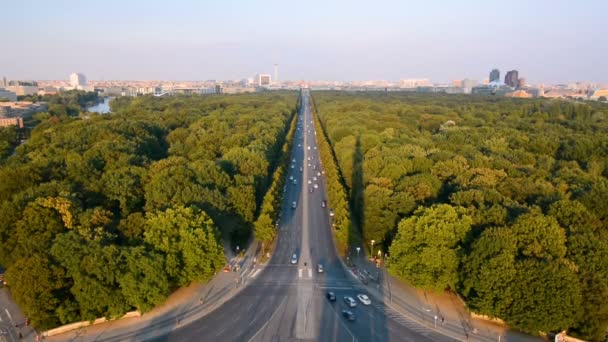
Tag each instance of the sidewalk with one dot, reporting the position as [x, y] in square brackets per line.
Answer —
[443, 312]
[182, 307]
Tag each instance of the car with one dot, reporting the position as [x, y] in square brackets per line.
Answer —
[349, 315]
[295, 182]
[314, 167]
[311, 190]
[315, 146]
[294, 258]
[330, 296]
[316, 186]
[323, 203]
[350, 301]
[331, 212]
[320, 268]
[314, 178]
[291, 177]
[318, 174]
[309, 147]
[4, 331]
[309, 181]
[293, 166]
[301, 169]
[293, 160]
[309, 158]
[364, 299]
[293, 205]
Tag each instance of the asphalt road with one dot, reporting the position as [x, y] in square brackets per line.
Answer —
[287, 301]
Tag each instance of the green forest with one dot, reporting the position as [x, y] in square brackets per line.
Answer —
[504, 201]
[103, 214]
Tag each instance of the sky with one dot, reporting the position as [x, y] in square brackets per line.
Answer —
[548, 41]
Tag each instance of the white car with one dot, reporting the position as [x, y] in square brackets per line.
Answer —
[293, 166]
[293, 205]
[320, 268]
[293, 160]
[295, 182]
[309, 181]
[319, 174]
[291, 177]
[294, 258]
[309, 147]
[314, 178]
[350, 301]
[316, 186]
[364, 299]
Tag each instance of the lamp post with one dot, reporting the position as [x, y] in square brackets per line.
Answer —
[372, 253]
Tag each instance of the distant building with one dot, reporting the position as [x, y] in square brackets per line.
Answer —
[4, 82]
[22, 88]
[414, 83]
[9, 95]
[494, 75]
[263, 80]
[519, 94]
[599, 93]
[511, 79]
[467, 85]
[521, 83]
[21, 109]
[78, 81]
[5, 122]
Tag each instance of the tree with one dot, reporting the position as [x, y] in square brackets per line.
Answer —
[427, 250]
[144, 283]
[38, 286]
[189, 240]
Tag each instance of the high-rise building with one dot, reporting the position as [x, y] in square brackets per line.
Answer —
[511, 79]
[276, 73]
[78, 81]
[494, 75]
[263, 80]
[4, 82]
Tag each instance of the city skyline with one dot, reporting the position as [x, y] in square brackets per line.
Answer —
[341, 41]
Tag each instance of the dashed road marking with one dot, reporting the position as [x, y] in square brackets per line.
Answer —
[309, 273]
[256, 272]
[299, 273]
[8, 314]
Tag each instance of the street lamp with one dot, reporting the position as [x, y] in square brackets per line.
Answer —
[372, 253]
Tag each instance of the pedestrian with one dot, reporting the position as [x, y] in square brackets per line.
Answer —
[20, 335]
[442, 319]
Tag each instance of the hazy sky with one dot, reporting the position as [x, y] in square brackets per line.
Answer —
[546, 40]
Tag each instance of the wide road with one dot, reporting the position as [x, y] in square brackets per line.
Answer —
[287, 301]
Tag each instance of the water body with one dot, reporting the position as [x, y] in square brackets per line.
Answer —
[102, 107]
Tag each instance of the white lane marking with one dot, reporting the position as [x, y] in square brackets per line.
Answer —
[256, 273]
[299, 273]
[309, 273]
[0, 318]
[10, 318]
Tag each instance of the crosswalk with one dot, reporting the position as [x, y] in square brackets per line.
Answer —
[304, 273]
[397, 317]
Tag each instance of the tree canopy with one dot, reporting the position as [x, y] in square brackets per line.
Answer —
[502, 200]
[102, 214]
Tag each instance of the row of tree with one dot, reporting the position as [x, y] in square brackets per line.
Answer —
[502, 200]
[102, 214]
[265, 225]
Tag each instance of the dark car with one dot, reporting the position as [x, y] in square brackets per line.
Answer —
[323, 204]
[349, 315]
[331, 296]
